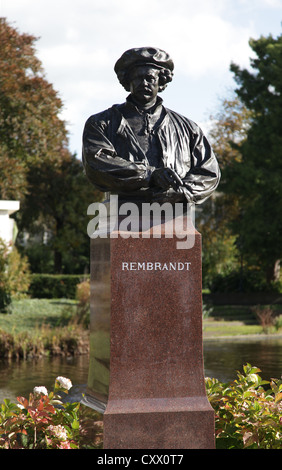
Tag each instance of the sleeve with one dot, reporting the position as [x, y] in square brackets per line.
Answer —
[104, 167]
[204, 175]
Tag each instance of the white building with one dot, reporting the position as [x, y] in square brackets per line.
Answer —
[7, 225]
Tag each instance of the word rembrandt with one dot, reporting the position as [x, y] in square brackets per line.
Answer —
[154, 266]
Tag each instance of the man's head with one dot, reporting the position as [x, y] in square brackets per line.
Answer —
[134, 60]
[144, 84]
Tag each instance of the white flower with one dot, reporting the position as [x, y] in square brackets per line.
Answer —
[58, 431]
[39, 390]
[63, 382]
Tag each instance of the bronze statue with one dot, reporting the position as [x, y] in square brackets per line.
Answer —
[142, 150]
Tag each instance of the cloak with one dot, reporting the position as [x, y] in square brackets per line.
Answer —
[114, 161]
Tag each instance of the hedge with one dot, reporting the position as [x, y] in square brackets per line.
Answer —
[54, 286]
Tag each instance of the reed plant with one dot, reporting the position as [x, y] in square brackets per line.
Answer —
[44, 340]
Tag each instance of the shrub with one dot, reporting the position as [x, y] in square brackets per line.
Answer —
[5, 298]
[54, 286]
[82, 316]
[38, 423]
[250, 280]
[19, 274]
[47, 421]
[265, 315]
[14, 275]
[5, 294]
[278, 322]
[207, 310]
[247, 415]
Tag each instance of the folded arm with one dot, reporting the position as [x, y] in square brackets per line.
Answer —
[105, 169]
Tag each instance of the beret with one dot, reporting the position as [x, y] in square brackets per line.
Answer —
[143, 55]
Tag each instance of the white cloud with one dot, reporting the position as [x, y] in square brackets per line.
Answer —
[80, 40]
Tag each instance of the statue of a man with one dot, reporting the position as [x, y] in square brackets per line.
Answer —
[142, 150]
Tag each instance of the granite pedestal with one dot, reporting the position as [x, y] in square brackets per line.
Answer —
[146, 362]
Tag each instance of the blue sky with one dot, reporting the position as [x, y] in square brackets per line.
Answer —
[80, 40]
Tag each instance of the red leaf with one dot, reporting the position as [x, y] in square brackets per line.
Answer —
[23, 401]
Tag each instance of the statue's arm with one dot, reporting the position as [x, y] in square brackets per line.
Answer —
[204, 175]
[107, 170]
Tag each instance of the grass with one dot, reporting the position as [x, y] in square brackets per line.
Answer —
[50, 318]
[233, 320]
[37, 327]
[213, 327]
[31, 314]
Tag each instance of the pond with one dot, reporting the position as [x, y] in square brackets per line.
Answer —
[20, 377]
[222, 358]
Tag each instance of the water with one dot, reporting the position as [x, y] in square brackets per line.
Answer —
[222, 359]
[19, 378]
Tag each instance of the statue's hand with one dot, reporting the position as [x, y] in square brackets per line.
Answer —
[169, 195]
[166, 178]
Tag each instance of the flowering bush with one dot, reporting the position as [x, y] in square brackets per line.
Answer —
[247, 413]
[42, 421]
[62, 383]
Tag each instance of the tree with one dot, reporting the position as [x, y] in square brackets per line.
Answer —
[36, 165]
[30, 129]
[254, 180]
[227, 133]
[57, 203]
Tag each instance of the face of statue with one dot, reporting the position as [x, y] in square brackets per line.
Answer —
[144, 85]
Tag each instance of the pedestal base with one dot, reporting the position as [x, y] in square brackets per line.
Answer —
[147, 364]
[178, 423]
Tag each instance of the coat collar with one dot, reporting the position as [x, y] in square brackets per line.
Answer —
[132, 105]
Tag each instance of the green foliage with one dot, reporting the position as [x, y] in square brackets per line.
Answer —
[268, 318]
[45, 177]
[207, 310]
[57, 202]
[67, 340]
[254, 180]
[30, 129]
[247, 141]
[31, 314]
[14, 276]
[246, 280]
[54, 286]
[5, 293]
[229, 130]
[36, 423]
[5, 299]
[18, 274]
[82, 316]
[247, 415]
[40, 327]
[40, 255]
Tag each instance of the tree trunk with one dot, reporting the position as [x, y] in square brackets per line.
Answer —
[273, 272]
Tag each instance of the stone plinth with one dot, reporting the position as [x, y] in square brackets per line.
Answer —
[156, 389]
